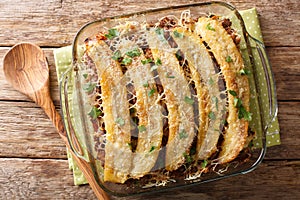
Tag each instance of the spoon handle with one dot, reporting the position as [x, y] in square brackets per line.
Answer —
[48, 106]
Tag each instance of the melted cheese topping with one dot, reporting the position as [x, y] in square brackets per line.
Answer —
[130, 57]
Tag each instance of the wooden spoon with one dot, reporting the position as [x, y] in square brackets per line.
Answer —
[26, 68]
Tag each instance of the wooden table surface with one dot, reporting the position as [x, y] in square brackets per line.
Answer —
[33, 162]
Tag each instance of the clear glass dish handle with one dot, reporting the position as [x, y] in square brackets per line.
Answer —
[66, 115]
[272, 108]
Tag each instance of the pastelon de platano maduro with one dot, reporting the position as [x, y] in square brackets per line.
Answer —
[167, 95]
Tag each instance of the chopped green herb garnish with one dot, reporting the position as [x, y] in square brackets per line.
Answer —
[243, 113]
[168, 75]
[133, 53]
[151, 92]
[89, 87]
[132, 110]
[188, 158]
[215, 101]
[112, 33]
[177, 34]
[245, 71]
[120, 121]
[233, 93]
[210, 81]
[159, 31]
[224, 121]
[188, 100]
[228, 59]
[117, 55]
[126, 61]
[179, 55]
[211, 115]
[152, 148]
[142, 128]
[158, 62]
[182, 134]
[129, 144]
[209, 27]
[144, 62]
[237, 102]
[204, 164]
[85, 76]
[146, 84]
[94, 113]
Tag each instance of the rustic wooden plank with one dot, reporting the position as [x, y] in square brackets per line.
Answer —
[51, 179]
[55, 22]
[25, 131]
[285, 64]
[288, 116]
[39, 179]
[284, 60]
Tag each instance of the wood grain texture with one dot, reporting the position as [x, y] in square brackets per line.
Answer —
[55, 22]
[27, 132]
[51, 179]
[284, 61]
[33, 161]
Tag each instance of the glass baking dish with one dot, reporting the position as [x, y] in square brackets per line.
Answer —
[90, 143]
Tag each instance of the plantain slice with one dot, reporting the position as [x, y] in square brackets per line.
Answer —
[150, 117]
[118, 155]
[205, 78]
[231, 62]
[176, 91]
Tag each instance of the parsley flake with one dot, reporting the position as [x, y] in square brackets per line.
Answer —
[112, 33]
[243, 113]
[146, 84]
[159, 31]
[117, 55]
[188, 100]
[142, 128]
[211, 115]
[144, 62]
[211, 81]
[177, 34]
[209, 27]
[158, 62]
[126, 61]
[133, 53]
[237, 102]
[228, 59]
[151, 92]
[85, 76]
[120, 121]
[188, 158]
[232, 92]
[215, 101]
[95, 112]
[89, 87]
[204, 164]
[245, 72]
[183, 134]
[152, 148]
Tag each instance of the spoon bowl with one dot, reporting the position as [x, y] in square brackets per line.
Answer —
[26, 69]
